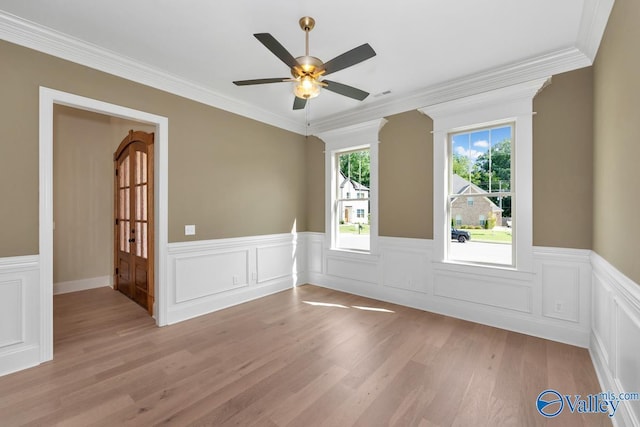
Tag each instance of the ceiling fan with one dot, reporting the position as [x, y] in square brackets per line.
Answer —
[307, 70]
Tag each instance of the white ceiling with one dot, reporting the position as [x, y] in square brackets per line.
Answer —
[427, 50]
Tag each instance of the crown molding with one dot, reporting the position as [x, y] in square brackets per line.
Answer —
[28, 34]
[354, 135]
[593, 22]
[504, 95]
[595, 14]
[516, 73]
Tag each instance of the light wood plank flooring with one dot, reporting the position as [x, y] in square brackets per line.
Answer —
[304, 357]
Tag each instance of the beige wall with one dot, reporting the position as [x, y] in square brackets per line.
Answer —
[83, 147]
[616, 204]
[315, 185]
[229, 175]
[406, 176]
[562, 161]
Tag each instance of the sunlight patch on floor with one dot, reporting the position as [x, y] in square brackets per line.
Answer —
[324, 304]
[359, 307]
[383, 310]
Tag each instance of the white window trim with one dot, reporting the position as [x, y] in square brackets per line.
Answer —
[509, 104]
[360, 136]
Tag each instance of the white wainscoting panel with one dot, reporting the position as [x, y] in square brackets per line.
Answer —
[615, 336]
[11, 312]
[19, 313]
[565, 279]
[490, 292]
[205, 276]
[275, 261]
[345, 265]
[404, 263]
[315, 249]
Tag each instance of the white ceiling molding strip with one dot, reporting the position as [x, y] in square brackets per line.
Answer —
[28, 34]
[531, 69]
[595, 14]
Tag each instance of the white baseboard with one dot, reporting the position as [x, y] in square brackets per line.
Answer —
[615, 336]
[82, 284]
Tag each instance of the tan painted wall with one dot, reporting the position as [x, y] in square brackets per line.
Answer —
[406, 176]
[229, 175]
[562, 161]
[616, 203]
[315, 185]
[83, 148]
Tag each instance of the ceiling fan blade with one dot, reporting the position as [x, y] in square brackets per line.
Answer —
[346, 90]
[299, 103]
[277, 49]
[261, 81]
[347, 59]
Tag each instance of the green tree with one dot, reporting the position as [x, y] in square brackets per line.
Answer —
[492, 172]
[461, 165]
[357, 166]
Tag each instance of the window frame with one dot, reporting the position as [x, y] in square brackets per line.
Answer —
[339, 202]
[512, 103]
[351, 138]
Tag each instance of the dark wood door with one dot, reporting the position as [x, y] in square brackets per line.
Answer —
[133, 202]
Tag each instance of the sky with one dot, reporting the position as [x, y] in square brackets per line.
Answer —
[474, 144]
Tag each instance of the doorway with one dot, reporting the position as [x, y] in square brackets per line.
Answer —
[133, 218]
[43, 309]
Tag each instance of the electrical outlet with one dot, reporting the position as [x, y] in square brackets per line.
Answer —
[558, 306]
[236, 280]
[189, 230]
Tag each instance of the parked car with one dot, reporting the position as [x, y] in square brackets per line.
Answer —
[460, 235]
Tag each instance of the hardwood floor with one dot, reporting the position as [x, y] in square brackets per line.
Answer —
[305, 357]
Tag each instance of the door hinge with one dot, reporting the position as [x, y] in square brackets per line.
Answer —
[116, 270]
[116, 172]
[116, 221]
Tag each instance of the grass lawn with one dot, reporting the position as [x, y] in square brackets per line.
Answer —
[353, 229]
[495, 236]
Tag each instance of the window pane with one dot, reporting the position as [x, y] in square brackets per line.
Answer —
[353, 179]
[139, 239]
[481, 160]
[484, 238]
[353, 231]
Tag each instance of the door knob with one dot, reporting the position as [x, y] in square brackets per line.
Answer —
[132, 240]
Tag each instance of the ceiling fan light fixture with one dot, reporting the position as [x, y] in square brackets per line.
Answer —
[306, 87]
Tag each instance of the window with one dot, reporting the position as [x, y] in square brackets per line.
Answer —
[458, 125]
[458, 220]
[361, 138]
[352, 170]
[480, 165]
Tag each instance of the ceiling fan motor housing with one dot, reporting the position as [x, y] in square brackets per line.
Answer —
[309, 65]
